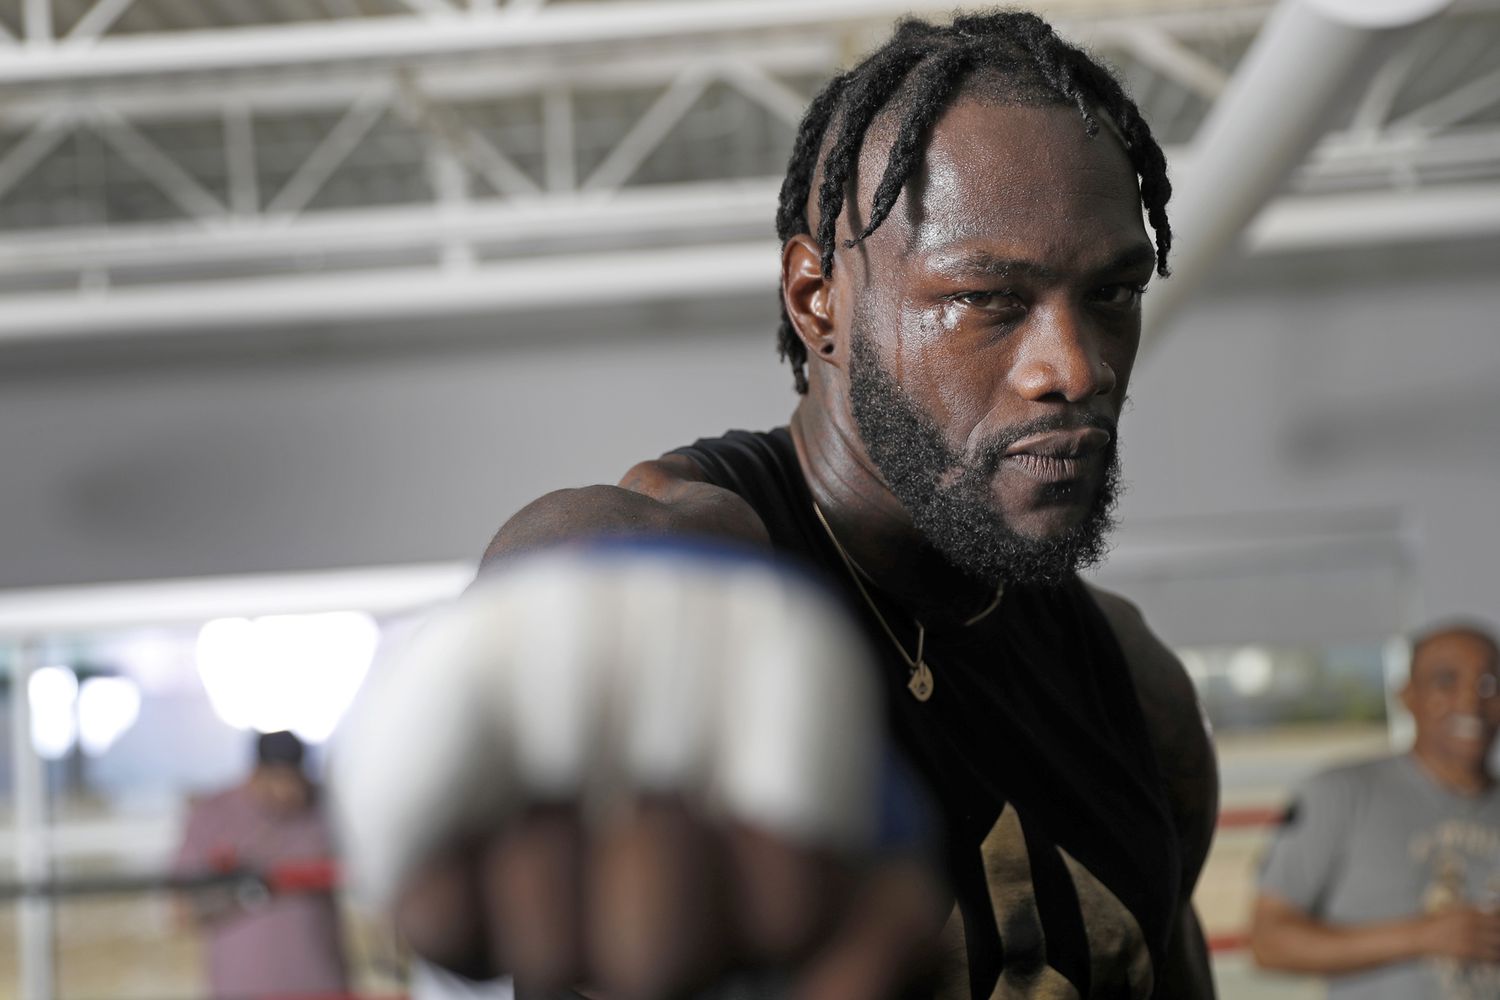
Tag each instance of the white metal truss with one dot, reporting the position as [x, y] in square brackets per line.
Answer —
[158, 172]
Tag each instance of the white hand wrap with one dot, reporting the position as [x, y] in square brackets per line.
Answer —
[582, 674]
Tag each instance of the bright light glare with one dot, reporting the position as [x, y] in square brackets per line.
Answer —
[53, 692]
[107, 708]
[296, 672]
[1251, 670]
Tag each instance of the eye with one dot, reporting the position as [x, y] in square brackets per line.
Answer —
[990, 301]
[1121, 295]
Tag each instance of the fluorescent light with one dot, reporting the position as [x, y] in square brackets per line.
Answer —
[107, 708]
[296, 672]
[53, 692]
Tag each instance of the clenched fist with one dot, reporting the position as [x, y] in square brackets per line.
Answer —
[638, 768]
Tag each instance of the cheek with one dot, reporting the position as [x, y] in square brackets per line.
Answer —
[917, 338]
[940, 371]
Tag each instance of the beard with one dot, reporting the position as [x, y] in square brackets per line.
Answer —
[949, 496]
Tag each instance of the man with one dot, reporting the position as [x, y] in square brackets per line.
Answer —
[287, 945]
[1385, 875]
[963, 259]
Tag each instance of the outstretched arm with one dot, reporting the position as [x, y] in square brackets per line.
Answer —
[622, 782]
[1283, 936]
[665, 497]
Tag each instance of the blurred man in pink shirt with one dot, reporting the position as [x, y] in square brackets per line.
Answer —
[283, 945]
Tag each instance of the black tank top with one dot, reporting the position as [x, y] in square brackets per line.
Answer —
[1060, 846]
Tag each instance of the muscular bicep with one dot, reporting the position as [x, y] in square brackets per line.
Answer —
[654, 499]
[1177, 727]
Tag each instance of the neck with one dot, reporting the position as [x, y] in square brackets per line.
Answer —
[871, 524]
[1457, 776]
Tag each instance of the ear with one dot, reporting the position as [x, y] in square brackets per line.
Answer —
[809, 299]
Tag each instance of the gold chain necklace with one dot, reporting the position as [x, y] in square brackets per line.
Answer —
[919, 680]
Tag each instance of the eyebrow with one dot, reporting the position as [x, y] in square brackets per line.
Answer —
[1135, 256]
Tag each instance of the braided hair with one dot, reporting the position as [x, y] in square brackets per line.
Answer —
[1014, 57]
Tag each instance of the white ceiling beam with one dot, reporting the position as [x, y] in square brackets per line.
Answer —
[470, 148]
[1370, 218]
[1354, 157]
[486, 159]
[294, 92]
[36, 20]
[1165, 54]
[1452, 108]
[564, 217]
[99, 19]
[240, 161]
[303, 186]
[214, 307]
[1374, 108]
[180, 187]
[650, 129]
[24, 157]
[449, 180]
[211, 308]
[697, 212]
[558, 28]
[770, 93]
[431, 8]
[559, 151]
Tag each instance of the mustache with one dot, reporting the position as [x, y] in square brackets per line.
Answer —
[992, 452]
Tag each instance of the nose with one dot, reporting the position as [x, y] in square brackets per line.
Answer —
[1060, 358]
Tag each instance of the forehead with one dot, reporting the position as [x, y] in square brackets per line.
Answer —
[1463, 650]
[1026, 178]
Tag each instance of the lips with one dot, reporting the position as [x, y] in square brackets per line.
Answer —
[1058, 456]
[1466, 727]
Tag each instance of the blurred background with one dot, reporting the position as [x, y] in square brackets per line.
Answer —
[300, 299]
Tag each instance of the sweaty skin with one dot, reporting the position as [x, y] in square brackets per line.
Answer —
[1004, 288]
[1004, 294]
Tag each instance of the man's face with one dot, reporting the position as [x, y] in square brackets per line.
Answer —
[995, 323]
[284, 786]
[1454, 697]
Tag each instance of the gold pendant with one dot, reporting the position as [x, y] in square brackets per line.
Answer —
[920, 684]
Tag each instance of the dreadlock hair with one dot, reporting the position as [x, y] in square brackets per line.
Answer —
[1012, 57]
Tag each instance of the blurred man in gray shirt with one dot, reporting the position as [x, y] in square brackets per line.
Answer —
[1385, 876]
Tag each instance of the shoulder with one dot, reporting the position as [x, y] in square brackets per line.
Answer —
[1322, 813]
[1175, 724]
[667, 496]
[1346, 782]
[221, 801]
[1166, 692]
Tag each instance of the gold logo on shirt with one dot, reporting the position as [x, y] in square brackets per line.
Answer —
[1119, 962]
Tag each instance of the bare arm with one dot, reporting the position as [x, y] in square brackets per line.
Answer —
[1284, 937]
[665, 497]
[1184, 750]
